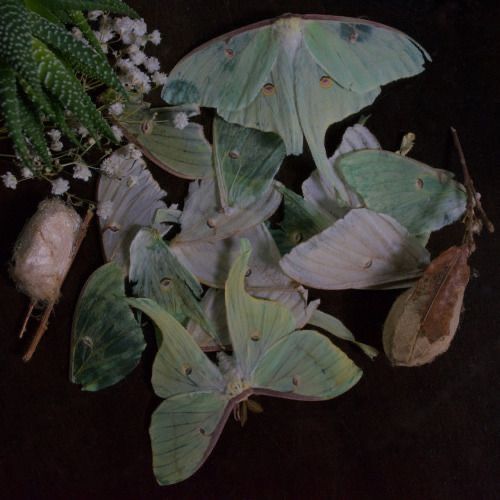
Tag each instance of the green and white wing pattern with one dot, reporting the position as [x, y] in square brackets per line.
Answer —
[246, 161]
[184, 430]
[203, 219]
[363, 250]
[306, 72]
[186, 426]
[254, 324]
[106, 340]
[133, 197]
[421, 198]
[304, 365]
[180, 365]
[156, 273]
[168, 139]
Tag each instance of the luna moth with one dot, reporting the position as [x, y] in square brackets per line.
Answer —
[270, 358]
[296, 75]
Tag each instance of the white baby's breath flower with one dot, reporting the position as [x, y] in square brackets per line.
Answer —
[139, 27]
[110, 165]
[141, 41]
[116, 109]
[54, 134]
[155, 37]
[181, 120]
[152, 64]
[90, 141]
[93, 15]
[117, 132]
[56, 146]
[125, 64]
[138, 57]
[82, 131]
[26, 173]
[82, 171]
[59, 186]
[104, 209]
[133, 152]
[159, 78]
[9, 180]
[104, 48]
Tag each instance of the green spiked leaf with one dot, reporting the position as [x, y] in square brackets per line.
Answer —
[16, 50]
[80, 21]
[78, 55]
[64, 86]
[114, 6]
[9, 105]
[34, 131]
[106, 340]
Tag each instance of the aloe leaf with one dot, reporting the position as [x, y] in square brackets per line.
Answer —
[114, 6]
[77, 54]
[64, 86]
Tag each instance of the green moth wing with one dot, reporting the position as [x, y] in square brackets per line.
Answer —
[301, 220]
[106, 340]
[421, 198]
[245, 160]
[305, 80]
[305, 365]
[363, 250]
[254, 324]
[168, 139]
[318, 192]
[156, 273]
[134, 198]
[180, 366]
[184, 430]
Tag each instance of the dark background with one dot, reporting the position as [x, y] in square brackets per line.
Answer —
[429, 432]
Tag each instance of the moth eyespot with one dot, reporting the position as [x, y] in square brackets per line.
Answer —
[268, 89]
[165, 282]
[187, 370]
[211, 222]
[113, 227]
[202, 431]
[419, 183]
[297, 237]
[248, 273]
[87, 342]
[353, 38]
[233, 155]
[368, 263]
[255, 336]
[229, 53]
[295, 380]
[147, 127]
[326, 82]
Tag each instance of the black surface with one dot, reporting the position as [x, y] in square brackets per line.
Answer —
[430, 432]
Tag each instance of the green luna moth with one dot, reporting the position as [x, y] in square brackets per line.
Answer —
[270, 358]
[295, 76]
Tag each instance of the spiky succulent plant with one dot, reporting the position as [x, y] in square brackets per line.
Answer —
[39, 63]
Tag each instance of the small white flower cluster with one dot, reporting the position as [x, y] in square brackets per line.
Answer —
[9, 180]
[113, 164]
[104, 209]
[59, 186]
[55, 137]
[133, 34]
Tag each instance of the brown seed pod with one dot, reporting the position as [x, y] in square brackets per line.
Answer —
[423, 321]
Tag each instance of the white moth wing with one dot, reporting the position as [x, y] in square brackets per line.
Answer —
[363, 250]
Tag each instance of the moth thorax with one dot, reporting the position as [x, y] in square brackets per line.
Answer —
[290, 32]
[236, 386]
